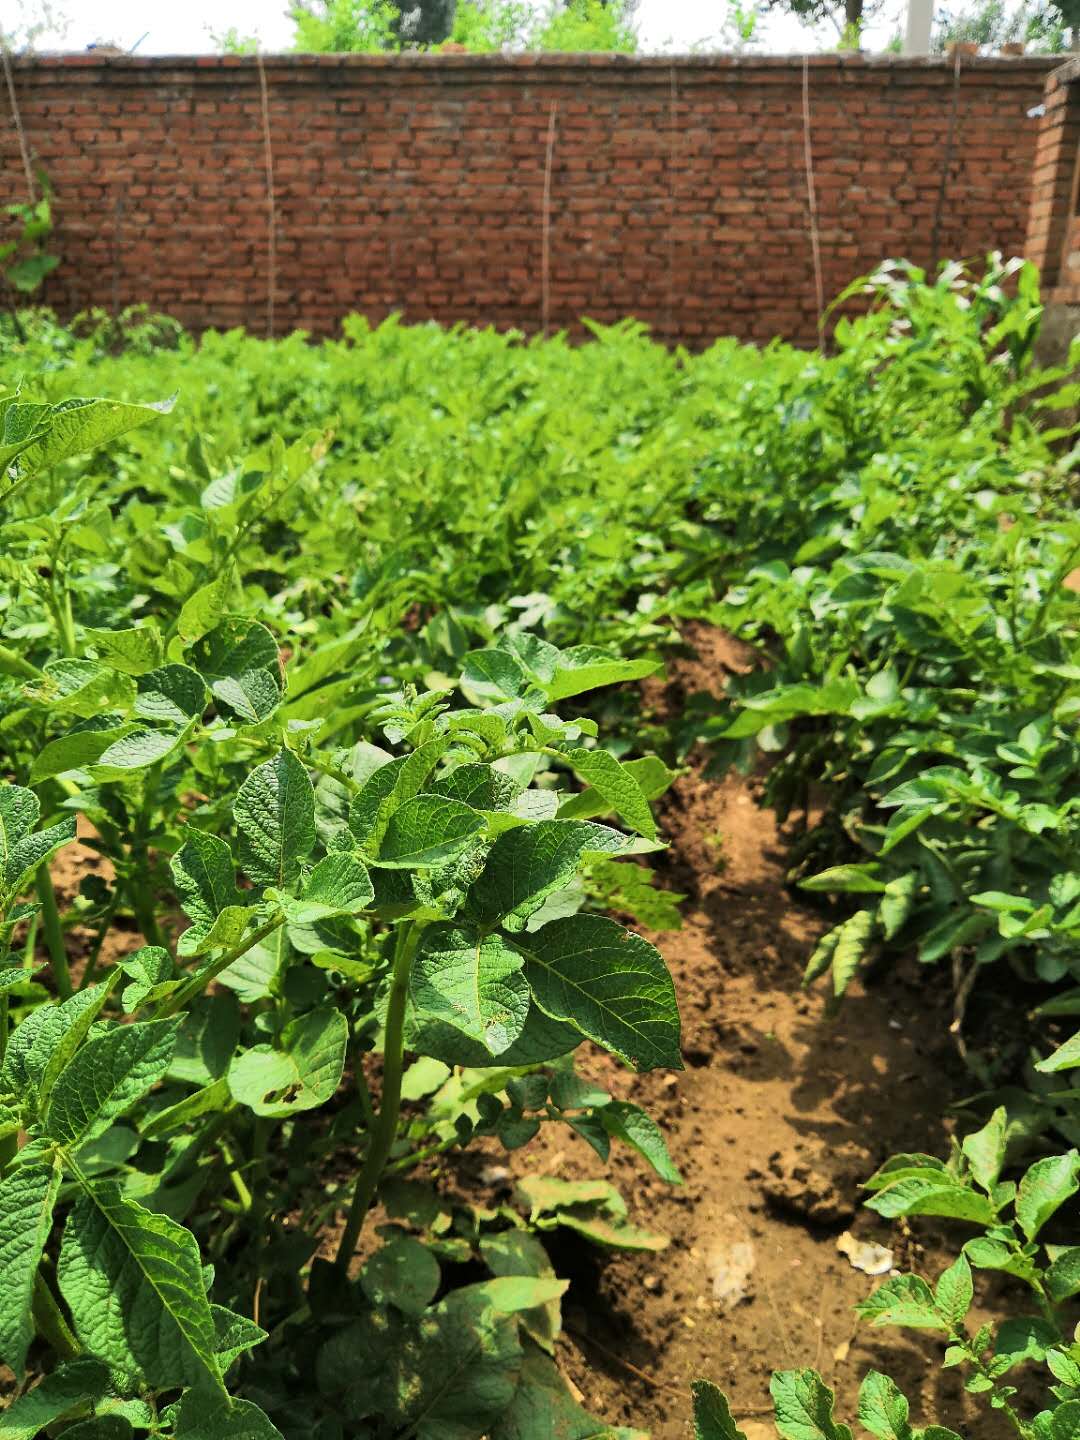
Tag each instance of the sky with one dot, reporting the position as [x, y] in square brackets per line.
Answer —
[161, 28]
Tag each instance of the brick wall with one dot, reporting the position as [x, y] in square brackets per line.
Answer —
[677, 187]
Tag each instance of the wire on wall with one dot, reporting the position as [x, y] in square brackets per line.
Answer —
[271, 211]
[950, 143]
[811, 197]
[545, 230]
[24, 149]
[673, 101]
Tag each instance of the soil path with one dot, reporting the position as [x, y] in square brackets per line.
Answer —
[778, 1116]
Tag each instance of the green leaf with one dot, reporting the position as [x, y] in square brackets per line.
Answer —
[45, 1042]
[541, 1040]
[207, 1039]
[472, 981]
[101, 1427]
[135, 751]
[427, 830]
[897, 903]
[74, 751]
[106, 1078]
[713, 1419]
[1046, 1186]
[133, 1282]
[206, 608]
[517, 1252]
[527, 865]
[804, 1407]
[275, 816]
[1061, 1423]
[57, 1396]
[203, 1416]
[512, 1294]
[239, 660]
[1065, 1057]
[902, 1300]
[496, 675]
[852, 942]
[403, 1273]
[338, 885]
[883, 1409]
[583, 667]
[846, 879]
[152, 973]
[954, 1292]
[172, 695]
[472, 1360]
[82, 687]
[630, 1124]
[302, 1074]
[78, 426]
[205, 881]
[985, 1149]
[33, 850]
[1022, 1338]
[650, 773]
[1063, 1277]
[610, 984]
[388, 786]
[236, 1335]
[210, 1098]
[933, 1195]
[617, 786]
[19, 811]
[543, 1408]
[27, 1196]
[134, 651]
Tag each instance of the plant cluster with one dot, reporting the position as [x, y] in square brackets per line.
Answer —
[922, 638]
[478, 26]
[307, 897]
[1011, 1218]
[308, 659]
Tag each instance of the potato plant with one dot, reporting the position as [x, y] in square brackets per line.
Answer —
[1011, 1220]
[323, 891]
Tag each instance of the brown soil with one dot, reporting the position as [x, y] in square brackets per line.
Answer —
[775, 1121]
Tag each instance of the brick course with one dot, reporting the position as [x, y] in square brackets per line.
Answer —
[415, 183]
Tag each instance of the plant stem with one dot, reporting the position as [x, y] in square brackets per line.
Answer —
[15, 664]
[199, 981]
[50, 1322]
[90, 973]
[142, 894]
[385, 1131]
[233, 1171]
[54, 935]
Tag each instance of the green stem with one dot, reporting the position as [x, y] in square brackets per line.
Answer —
[90, 973]
[50, 1322]
[14, 664]
[61, 609]
[416, 1157]
[142, 893]
[198, 982]
[54, 935]
[233, 1171]
[385, 1131]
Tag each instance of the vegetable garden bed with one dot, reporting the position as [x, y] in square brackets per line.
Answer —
[342, 1096]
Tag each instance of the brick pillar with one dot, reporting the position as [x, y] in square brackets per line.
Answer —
[1053, 235]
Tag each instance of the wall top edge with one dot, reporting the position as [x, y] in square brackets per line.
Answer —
[501, 64]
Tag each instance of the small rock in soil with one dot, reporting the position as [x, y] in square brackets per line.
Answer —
[864, 1255]
[730, 1266]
